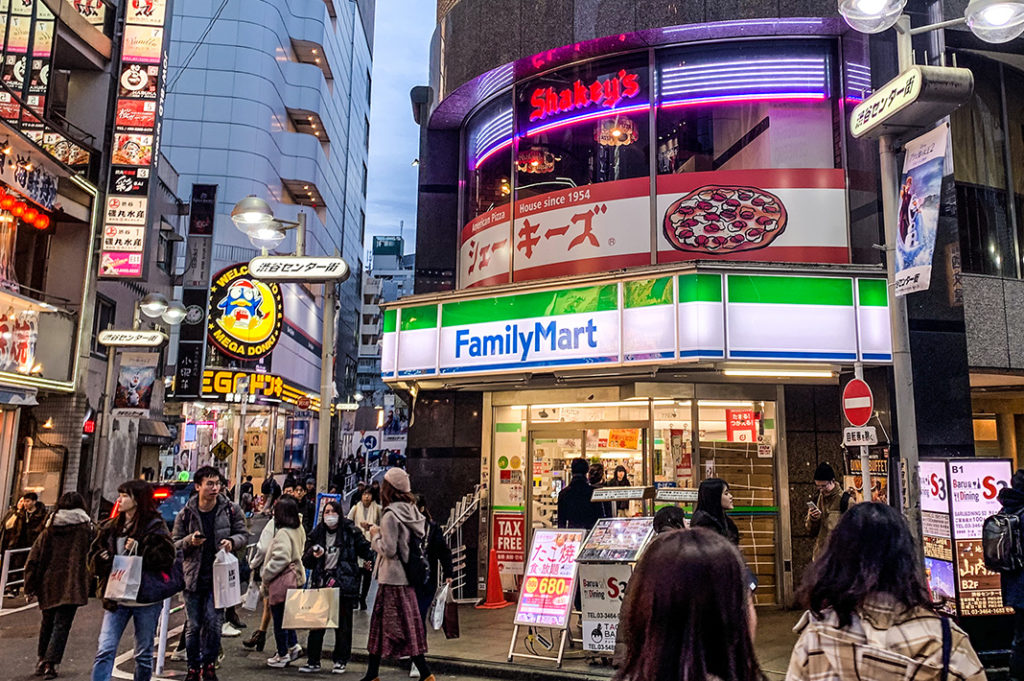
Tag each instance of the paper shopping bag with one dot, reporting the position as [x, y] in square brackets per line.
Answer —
[436, 613]
[311, 609]
[125, 578]
[227, 583]
[451, 619]
[252, 597]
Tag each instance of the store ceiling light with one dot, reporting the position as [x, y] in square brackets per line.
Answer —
[780, 373]
[995, 21]
[871, 16]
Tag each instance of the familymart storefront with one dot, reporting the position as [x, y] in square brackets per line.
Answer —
[668, 375]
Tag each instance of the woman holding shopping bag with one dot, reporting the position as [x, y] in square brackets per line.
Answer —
[57, 574]
[137, 530]
[282, 570]
[396, 627]
[333, 551]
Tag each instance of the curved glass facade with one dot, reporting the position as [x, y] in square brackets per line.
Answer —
[719, 151]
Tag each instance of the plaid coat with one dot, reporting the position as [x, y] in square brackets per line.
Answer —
[884, 642]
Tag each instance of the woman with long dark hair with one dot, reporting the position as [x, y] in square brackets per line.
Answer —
[867, 591]
[396, 627]
[714, 498]
[138, 530]
[282, 570]
[57, 574]
[620, 478]
[689, 613]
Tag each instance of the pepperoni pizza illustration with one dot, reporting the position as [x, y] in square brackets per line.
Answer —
[719, 219]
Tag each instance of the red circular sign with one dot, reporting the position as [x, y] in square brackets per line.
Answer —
[858, 403]
[303, 403]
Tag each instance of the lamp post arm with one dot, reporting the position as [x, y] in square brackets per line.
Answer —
[935, 27]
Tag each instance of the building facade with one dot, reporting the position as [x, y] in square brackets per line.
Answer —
[647, 237]
[275, 103]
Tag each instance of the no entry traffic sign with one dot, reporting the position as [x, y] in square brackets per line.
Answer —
[858, 403]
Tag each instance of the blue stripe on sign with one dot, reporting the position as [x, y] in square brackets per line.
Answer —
[416, 372]
[701, 353]
[791, 355]
[650, 355]
[526, 365]
[878, 356]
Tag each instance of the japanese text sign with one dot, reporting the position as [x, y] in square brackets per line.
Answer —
[549, 583]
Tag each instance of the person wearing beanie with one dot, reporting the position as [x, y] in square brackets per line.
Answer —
[575, 510]
[828, 506]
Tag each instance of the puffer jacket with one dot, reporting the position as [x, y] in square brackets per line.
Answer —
[155, 547]
[392, 543]
[228, 523]
[57, 571]
[285, 553]
[350, 545]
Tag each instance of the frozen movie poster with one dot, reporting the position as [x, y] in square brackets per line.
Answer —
[135, 380]
[918, 217]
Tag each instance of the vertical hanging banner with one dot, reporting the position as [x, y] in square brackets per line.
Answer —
[135, 154]
[134, 393]
[918, 217]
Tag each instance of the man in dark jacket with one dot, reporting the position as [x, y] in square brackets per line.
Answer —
[208, 522]
[21, 526]
[271, 492]
[575, 510]
[1012, 499]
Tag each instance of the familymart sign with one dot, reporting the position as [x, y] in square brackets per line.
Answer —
[675, 318]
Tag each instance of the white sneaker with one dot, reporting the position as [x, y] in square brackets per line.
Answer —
[309, 669]
[294, 653]
[228, 630]
[179, 655]
[339, 668]
[278, 662]
[413, 672]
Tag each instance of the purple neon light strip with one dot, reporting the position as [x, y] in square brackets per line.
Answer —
[491, 152]
[593, 116]
[730, 99]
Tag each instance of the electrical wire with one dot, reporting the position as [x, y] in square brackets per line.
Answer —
[199, 43]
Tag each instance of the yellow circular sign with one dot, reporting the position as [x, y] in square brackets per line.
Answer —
[245, 315]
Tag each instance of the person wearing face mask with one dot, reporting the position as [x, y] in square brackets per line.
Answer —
[332, 554]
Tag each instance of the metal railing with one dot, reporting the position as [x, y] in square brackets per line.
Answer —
[6, 572]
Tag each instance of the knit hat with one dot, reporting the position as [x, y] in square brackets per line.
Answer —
[824, 472]
[399, 479]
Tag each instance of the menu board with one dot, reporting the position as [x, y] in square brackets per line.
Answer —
[617, 540]
[549, 583]
[956, 497]
[602, 589]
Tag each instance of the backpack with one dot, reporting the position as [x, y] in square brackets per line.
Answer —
[417, 567]
[1001, 542]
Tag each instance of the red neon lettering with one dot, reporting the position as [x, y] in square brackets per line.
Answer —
[548, 101]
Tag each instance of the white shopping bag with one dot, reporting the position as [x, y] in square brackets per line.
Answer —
[227, 583]
[252, 597]
[436, 613]
[125, 578]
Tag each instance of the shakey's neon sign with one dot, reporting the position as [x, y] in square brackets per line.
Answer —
[547, 101]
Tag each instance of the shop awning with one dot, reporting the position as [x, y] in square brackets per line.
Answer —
[153, 432]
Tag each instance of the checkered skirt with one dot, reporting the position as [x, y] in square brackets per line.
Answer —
[396, 628]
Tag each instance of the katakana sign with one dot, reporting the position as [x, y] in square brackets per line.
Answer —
[304, 268]
[131, 338]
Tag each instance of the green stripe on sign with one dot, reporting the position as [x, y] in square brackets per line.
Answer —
[772, 290]
[507, 427]
[390, 319]
[540, 304]
[647, 292]
[700, 288]
[422, 317]
[873, 292]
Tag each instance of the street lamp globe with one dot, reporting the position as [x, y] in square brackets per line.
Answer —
[252, 214]
[266, 237]
[154, 305]
[871, 16]
[175, 313]
[995, 21]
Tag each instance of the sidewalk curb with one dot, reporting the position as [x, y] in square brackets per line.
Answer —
[495, 670]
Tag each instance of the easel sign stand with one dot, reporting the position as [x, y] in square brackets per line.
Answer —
[549, 586]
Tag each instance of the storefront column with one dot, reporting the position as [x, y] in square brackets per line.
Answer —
[784, 560]
[9, 419]
[1006, 432]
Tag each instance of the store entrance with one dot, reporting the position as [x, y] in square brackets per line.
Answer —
[607, 446]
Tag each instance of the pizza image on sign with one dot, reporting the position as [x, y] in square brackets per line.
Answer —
[718, 219]
[246, 315]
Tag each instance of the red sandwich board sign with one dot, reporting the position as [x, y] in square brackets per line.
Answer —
[858, 403]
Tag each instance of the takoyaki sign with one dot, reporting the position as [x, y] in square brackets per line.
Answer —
[245, 315]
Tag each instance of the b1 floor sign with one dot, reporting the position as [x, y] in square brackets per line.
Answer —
[858, 403]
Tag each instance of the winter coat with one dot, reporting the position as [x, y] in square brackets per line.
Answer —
[259, 554]
[20, 528]
[364, 514]
[824, 652]
[228, 523]
[1012, 582]
[285, 553]
[575, 510]
[392, 543]
[830, 505]
[438, 552]
[351, 546]
[57, 571]
[155, 547]
[727, 529]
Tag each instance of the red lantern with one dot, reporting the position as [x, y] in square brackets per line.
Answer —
[42, 221]
[7, 202]
[18, 209]
[30, 214]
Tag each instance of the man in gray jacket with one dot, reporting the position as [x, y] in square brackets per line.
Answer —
[208, 522]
